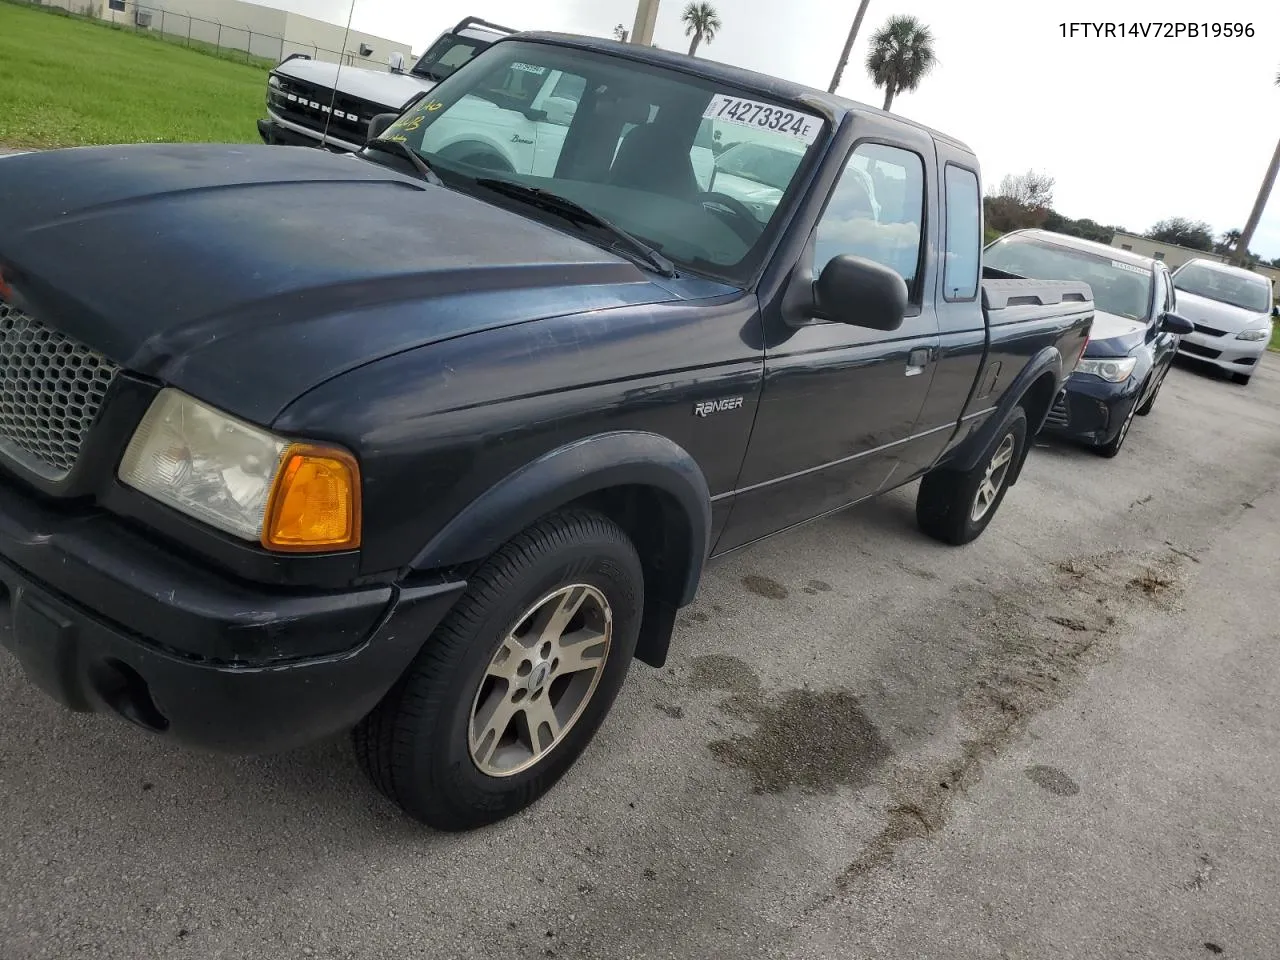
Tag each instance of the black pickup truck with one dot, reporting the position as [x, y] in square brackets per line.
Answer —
[293, 443]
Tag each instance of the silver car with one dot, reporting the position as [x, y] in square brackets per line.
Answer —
[1231, 310]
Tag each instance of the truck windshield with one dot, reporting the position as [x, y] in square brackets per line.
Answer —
[632, 143]
[446, 55]
[1119, 288]
[1229, 288]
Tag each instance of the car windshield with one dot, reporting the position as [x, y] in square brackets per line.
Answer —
[446, 55]
[1119, 288]
[632, 143]
[1247, 293]
[761, 163]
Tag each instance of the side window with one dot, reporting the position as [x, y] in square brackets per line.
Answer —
[963, 251]
[876, 211]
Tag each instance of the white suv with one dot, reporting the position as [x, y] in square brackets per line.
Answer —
[1231, 309]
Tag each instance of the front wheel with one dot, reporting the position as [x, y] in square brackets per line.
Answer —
[1151, 400]
[515, 682]
[955, 507]
[1112, 447]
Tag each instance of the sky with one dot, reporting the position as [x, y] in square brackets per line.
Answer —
[1132, 129]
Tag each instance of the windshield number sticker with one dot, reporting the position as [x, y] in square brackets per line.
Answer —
[529, 68]
[763, 116]
[1129, 267]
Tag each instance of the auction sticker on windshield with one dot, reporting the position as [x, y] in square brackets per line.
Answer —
[763, 116]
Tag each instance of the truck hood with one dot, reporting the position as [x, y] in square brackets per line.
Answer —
[391, 90]
[247, 275]
[1113, 335]
[1218, 316]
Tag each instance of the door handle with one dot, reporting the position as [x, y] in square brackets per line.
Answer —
[916, 361]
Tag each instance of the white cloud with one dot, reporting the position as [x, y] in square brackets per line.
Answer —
[1133, 129]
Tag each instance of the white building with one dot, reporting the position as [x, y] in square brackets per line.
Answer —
[257, 29]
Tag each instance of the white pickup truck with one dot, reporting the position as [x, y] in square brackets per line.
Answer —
[314, 103]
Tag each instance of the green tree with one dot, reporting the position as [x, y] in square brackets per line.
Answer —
[848, 46]
[1195, 234]
[901, 54]
[701, 22]
[1264, 193]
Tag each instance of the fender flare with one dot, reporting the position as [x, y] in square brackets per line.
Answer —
[1046, 360]
[569, 473]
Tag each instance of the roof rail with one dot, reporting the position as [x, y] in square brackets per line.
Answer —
[477, 22]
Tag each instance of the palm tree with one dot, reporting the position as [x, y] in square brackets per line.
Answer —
[1268, 181]
[701, 20]
[848, 45]
[901, 54]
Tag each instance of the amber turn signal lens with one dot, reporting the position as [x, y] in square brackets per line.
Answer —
[315, 502]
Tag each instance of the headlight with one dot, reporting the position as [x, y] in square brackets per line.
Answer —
[273, 80]
[1115, 370]
[242, 479]
[1261, 334]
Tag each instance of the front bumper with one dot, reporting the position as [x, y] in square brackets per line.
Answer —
[104, 619]
[275, 131]
[1223, 351]
[1090, 409]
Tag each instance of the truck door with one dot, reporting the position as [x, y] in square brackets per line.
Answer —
[840, 403]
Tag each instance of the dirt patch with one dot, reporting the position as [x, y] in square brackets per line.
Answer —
[815, 587]
[1052, 780]
[765, 587]
[816, 740]
[729, 674]
[1035, 641]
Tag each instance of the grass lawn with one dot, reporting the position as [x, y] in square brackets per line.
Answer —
[69, 82]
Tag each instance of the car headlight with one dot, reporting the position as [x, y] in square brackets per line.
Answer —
[1259, 334]
[242, 479]
[273, 80]
[1113, 370]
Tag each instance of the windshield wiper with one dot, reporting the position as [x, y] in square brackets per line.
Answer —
[574, 212]
[400, 148]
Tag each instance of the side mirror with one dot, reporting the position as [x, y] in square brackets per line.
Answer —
[1178, 326]
[378, 125]
[861, 293]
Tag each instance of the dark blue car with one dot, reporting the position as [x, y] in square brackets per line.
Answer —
[1134, 338]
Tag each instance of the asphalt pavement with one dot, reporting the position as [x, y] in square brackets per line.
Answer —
[1057, 742]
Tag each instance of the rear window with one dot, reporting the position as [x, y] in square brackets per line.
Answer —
[964, 235]
[1119, 288]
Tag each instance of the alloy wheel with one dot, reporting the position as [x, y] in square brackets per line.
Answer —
[993, 479]
[540, 680]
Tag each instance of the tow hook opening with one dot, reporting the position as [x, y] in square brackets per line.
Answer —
[124, 691]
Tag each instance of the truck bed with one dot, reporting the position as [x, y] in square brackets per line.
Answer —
[1011, 301]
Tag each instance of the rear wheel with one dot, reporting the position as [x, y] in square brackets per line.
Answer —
[515, 682]
[955, 507]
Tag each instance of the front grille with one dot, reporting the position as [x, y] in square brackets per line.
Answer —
[1210, 331]
[1058, 416]
[1209, 353]
[308, 105]
[51, 389]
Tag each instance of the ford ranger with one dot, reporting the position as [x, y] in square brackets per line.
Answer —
[294, 443]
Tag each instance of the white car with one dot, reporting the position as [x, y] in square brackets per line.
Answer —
[757, 173]
[1231, 309]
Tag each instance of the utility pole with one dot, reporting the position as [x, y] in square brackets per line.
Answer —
[646, 18]
[848, 46]
[1241, 253]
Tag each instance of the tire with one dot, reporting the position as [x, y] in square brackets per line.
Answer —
[418, 745]
[948, 500]
[1151, 400]
[1112, 447]
[1241, 378]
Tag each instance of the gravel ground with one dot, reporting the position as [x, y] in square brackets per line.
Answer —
[1057, 742]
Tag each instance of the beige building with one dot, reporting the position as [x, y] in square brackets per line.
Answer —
[257, 29]
[1175, 256]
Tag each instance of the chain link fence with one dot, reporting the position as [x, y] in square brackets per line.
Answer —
[209, 36]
